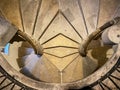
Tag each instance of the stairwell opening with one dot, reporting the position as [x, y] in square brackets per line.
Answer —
[21, 56]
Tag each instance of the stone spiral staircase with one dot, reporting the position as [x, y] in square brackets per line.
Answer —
[59, 26]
